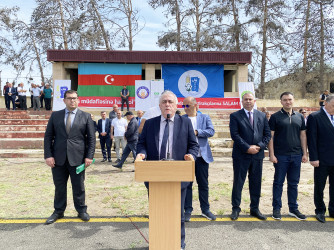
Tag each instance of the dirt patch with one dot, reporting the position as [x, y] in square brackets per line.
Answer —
[26, 190]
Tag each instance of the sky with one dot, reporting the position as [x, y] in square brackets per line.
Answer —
[146, 40]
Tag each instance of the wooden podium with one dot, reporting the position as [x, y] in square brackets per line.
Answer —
[165, 179]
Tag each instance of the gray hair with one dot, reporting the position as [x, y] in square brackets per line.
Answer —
[329, 98]
[168, 92]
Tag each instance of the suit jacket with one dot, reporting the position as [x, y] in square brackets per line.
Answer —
[205, 130]
[107, 128]
[320, 138]
[131, 133]
[13, 91]
[184, 139]
[77, 145]
[244, 135]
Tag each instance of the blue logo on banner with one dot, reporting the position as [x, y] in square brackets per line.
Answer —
[63, 89]
[143, 92]
[194, 80]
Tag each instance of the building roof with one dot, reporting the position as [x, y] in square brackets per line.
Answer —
[156, 57]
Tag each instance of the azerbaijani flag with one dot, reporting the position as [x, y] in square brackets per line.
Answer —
[107, 79]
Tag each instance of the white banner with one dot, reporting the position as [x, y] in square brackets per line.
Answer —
[244, 87]
[157, 87]
[142, 95]
[60, 87]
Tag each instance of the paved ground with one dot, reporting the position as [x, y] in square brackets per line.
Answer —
[114, 233]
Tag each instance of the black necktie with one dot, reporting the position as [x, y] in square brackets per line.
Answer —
[164, 142]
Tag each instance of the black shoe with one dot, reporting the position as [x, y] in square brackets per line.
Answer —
[331, 215]
[105, 159]
[321, 218]
[117, 161]
[84, 216]
[109, 160]
[117, 166]
[297, 214]
[53, 218]
[277, 214]
[209, 215]
[187, 217]
[234, 215]
[256, 213]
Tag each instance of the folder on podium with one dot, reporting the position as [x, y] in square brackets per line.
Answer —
[165, 179]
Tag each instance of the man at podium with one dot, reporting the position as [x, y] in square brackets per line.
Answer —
[166, 137]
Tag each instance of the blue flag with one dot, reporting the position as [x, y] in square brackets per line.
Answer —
[203, 81]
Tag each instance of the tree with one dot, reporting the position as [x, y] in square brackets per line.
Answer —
[179, 13]
[269, 19]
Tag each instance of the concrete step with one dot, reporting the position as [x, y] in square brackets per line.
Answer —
[23, 134]
[23, 122]
[21, 143]
[23, 128]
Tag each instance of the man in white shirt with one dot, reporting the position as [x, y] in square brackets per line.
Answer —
[118, 128]
[22, 92]
[36, 97]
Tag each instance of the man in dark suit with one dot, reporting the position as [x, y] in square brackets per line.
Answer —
[320, 140]
[69, 141]
[125, 97]
[131, 136]
[11, 94]
[176, 130]
[250, 132]
[203, 129]
[103, 127]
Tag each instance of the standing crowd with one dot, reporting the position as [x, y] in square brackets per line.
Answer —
[40, 95]
[161, 133]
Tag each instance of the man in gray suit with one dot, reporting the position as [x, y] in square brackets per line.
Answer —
[203, 129]
[69, 141]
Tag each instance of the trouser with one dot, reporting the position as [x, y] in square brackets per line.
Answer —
[130, 147]
[242, 166]
[126, 100]
[41, 100]
[105, 141]
[32, 101]
[60, 176]
[36, 103]
[47, 103]
[119, 140]
[23, 102]
[320, 177]
[289, 166]
[202, 175]
[7, 101]
[184, 186]
[11, 99]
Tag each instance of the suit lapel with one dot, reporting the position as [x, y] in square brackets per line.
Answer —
[245, 118]
[63, 120]
[156, 127]
[77, 119]
[255, 120]
[176, 130]
[327, 122]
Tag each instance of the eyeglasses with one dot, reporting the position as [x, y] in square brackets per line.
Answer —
[71, 98]
[186, 106]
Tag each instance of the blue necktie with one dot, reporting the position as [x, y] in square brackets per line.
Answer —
[332, 120]
[139, 121]
[163, 148]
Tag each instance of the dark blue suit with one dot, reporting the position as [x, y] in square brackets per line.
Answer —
[105, 140]
[184, 142]
[244, 135]
[320, 141]
[11, 98]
